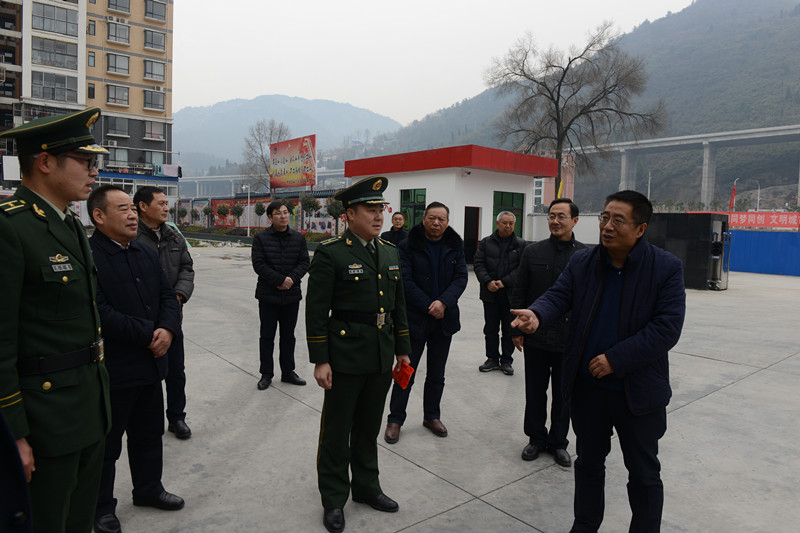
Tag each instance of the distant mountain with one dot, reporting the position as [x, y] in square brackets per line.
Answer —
[211, 135]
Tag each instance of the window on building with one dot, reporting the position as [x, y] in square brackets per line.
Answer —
[90, 91]
[120, 5]
[91, 59]
[119, 33]
[155, 40]
[118, 64]
[55, 19]
[49, 86]
[154, 158]
[117, 95]
[513, 202]
[153, 100]
[155, 10]
[118, 157]
[412, 204]
[118, 126]
[154, 130]
[91, 27]
[154, 70]
[54, 53]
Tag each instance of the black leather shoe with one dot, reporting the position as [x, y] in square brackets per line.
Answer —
[562, 457]
[180, 429]
[381, 502]
[392, 433]
[333, 520]
[165, 501]
[264, 383]
[293, 378]
[507, 369]
[108, 523]
[530, 452]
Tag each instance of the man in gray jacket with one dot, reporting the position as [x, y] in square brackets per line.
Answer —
[151, 204]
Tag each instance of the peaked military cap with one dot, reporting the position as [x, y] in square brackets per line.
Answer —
[58, 134]
[367, 191]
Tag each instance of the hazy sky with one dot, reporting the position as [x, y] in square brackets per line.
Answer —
[399, 59]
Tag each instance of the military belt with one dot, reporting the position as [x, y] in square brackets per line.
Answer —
[371, 319]
[63, 361]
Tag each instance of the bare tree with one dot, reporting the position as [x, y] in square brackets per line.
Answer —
[568, 102]
[256, 152]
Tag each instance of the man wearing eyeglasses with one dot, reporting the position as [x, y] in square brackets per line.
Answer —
[542, 263]
[434, 277]
[627, 303]
[54, 388]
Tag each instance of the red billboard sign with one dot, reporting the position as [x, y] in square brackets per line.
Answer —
[293, 163]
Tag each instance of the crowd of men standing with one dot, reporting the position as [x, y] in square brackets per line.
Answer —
[93, 326]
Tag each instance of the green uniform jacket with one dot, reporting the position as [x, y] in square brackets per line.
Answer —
[49, 283]
[343, 277]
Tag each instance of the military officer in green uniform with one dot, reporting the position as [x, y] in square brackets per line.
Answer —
[356, 325]
[53, 381]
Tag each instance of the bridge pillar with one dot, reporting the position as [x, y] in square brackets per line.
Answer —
[627, 179]
[709, 174]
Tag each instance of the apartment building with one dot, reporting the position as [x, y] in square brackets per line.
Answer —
[58, 56]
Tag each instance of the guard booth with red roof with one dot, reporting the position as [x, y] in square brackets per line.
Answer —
[475, 182]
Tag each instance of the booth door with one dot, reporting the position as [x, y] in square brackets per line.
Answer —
[471, 225]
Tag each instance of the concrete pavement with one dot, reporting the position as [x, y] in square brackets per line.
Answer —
[729, 458]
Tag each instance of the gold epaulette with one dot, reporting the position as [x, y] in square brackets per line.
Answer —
[13, 206]
[332, 240]
[384, 241]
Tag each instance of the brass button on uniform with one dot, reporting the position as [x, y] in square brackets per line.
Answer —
[65, 279]
[379, 326]
[379, 276]
[380, 292]
[341, 332]
[382, 310]
[356, 278]
[47, 385]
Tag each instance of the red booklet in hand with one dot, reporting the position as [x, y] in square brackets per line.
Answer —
[402, 373]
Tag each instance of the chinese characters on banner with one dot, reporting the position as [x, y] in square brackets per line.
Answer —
[760, 219]
[293, 163]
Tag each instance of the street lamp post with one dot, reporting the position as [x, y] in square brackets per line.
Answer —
[247, 186]
[758, 198]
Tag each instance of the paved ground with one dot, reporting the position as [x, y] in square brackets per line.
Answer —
[730, 461]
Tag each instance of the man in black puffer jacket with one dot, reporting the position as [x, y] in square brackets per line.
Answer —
[280, 258]
[542, 263]
[495, 265]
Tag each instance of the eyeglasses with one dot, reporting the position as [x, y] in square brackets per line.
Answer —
[616, 222]
[90, 163]
[561, 217]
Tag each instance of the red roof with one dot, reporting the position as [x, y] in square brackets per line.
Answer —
[469, 156]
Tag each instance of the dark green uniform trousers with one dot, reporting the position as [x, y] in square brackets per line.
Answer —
[351, 420]
[64, 490]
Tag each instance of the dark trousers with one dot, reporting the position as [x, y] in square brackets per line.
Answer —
[271, 315]
[438, 350]
[176, 380]
[64, 489]
[138, 412]
[496, 317]
[595, 412]
[542, 368]
[351, 421]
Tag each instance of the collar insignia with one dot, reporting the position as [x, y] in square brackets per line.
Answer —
[348, 242]
[38, 211]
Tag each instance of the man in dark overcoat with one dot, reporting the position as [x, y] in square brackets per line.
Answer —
[356, 326]
[53, 381]
[141, 317]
